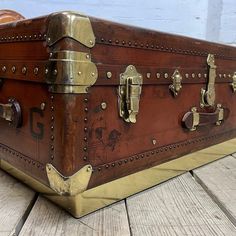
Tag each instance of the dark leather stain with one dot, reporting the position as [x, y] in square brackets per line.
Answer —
[99, 133]
[113, 138]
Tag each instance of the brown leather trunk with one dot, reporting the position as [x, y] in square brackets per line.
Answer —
[80, 93]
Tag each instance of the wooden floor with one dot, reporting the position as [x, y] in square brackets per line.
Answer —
[202, 202]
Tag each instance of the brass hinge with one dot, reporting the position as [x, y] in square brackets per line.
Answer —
[70, 25]
[129, 94]
[208, 95]
[70, 72]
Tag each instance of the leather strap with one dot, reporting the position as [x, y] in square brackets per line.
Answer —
[193, 119]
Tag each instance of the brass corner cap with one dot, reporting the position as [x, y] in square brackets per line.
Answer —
[70, 25]
[71, 185]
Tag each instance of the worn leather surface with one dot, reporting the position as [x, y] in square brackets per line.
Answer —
[73, 130]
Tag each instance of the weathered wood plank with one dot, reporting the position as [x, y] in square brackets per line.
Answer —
[219, 180]
[15, 202]
[177, 207]
[47, 219]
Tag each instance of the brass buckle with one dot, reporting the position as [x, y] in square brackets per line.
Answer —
[208, 95]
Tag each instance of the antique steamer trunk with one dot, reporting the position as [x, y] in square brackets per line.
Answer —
[94, 111]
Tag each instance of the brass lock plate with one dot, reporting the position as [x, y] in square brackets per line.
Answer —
[176, 86]
[129, 94]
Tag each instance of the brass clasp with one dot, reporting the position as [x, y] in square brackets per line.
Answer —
[176, 86]
[208, 95]
[233, 84]
[129, 94]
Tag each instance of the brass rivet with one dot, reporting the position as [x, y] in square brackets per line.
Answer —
[52, 137]
[103, 105]
[46, 71]
[93, 74]
[55, 72]
[4, 69]
[85, 149]
[87, 56]
[229, 75]
[199, 75]
[85, 129]
[89, 169]
[186, 75]
[86, 100]
[36, 70]
[52, 147]
[154, 142]
[91, 42]
[193, 75]
[166, 75]
[205, 75]
[220, 75]
[52, 157]
[50, 54]
[148, 75]
[158, 75]
[48, 39]
[224, 75]
[24, 70]
[42, 106]
[109, 75]
[86, 109]
[13, 69]
[79, 73]
[85, 158]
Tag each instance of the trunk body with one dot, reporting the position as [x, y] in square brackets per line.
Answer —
[109, 99]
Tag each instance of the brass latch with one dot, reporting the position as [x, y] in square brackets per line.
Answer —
[208, 95]
[129, 94]
[233, 84]
[176, 86]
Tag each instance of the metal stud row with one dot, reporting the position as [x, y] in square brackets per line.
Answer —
[26, 159]
[158, 47]
[24, 69]
[166, 75]
[23, 37]
[168, 148]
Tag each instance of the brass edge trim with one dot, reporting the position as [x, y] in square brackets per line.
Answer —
[71, 185]
[71, 25]
[106, 194]
[103, 195]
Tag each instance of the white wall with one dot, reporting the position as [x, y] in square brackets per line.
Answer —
[213, 20]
